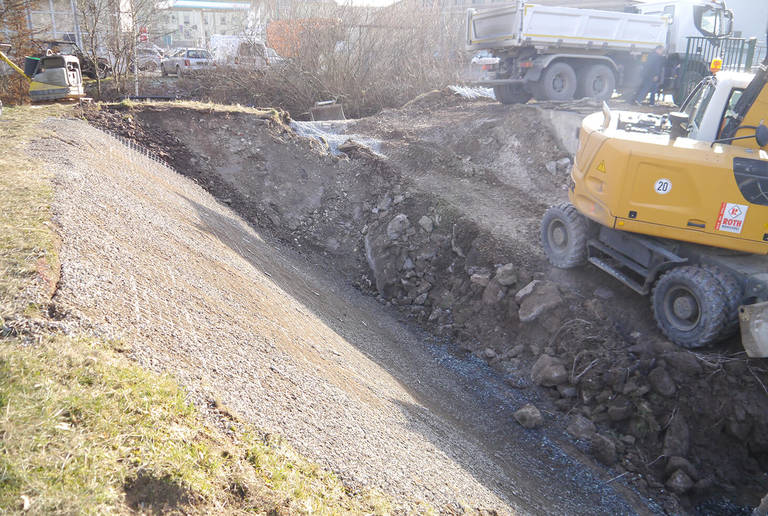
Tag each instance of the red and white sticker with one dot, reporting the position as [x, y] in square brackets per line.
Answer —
[731, 218]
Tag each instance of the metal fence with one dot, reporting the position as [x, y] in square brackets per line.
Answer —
[738, 54]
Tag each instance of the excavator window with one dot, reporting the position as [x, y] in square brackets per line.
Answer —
[730, 110]
[752, 178]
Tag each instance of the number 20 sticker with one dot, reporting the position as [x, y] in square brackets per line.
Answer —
[662, 186]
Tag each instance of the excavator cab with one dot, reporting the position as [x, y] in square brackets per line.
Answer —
[676, 207]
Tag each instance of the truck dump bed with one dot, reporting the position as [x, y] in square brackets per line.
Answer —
[565, 27]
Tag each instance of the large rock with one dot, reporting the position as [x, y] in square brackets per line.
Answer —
[506, 274]
[545, 297]
[426, 224]
[549, 371]
[529, 416]
[662, 382]
[525, 291]
[397, 226]
[679, 482]
[604, 449]
[481, 278]
[681, 463]
[581, 428]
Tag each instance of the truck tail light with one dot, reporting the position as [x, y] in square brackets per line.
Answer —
[186, 62]
[526, 64]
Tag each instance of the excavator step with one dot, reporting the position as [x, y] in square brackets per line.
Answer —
[611, 269]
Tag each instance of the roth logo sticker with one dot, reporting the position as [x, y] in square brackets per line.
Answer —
[731, 217]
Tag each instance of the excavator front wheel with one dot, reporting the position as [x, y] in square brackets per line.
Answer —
[690, 306]
[564, 236]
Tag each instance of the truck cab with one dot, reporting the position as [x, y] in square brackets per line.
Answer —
[705, 18]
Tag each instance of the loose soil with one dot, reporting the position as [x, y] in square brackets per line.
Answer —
[458, 191]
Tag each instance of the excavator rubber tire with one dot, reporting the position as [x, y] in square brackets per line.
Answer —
[510, 94]
[690, 306]
[564, 233]
[734, 294]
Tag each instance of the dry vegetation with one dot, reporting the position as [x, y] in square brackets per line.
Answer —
[367, 60]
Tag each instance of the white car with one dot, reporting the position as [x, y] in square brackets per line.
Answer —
[185, 60]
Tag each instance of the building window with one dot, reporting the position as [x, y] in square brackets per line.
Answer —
[187, 19]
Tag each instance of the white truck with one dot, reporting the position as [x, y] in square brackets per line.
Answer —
[558, 53]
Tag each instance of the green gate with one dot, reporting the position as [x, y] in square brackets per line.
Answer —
[738, 54]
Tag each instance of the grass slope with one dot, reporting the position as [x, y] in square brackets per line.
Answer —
[83, 430]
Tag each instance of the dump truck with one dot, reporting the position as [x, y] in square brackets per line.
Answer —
[676, 207]
[561, 53]
[51, 77]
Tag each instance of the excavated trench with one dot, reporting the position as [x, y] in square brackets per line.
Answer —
[437, 213]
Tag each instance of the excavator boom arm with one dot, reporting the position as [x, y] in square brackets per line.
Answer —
[13, 65]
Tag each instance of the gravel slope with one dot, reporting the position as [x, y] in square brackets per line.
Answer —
[151, 258]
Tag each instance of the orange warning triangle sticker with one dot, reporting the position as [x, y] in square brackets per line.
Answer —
[601, 167]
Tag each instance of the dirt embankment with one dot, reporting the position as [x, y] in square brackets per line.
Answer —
[445, 227]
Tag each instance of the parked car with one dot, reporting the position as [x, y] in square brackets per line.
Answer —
[255, 54]
[149, 59]
[185, 60]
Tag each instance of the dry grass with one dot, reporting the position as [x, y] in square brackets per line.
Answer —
[27, 243]
[83, 430]
[87, 432]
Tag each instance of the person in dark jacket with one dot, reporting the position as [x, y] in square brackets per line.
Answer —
[652, 74]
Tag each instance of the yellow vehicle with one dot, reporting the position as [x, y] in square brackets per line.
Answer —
[51, 77]
[678, 211]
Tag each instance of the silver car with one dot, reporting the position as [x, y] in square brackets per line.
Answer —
[186, 59]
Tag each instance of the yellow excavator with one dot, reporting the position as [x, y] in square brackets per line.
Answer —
[51, 77]
[676, 207]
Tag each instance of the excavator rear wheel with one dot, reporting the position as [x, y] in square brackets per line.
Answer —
[564, 236]
[690, 306]
[734, 294]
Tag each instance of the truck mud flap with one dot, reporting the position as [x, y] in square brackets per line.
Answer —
[754, 329]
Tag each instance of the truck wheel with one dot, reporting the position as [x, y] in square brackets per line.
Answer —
[564, 236]
[734, 295]
[689, 306]
[510, 94]
[596, 82]
[557, 82]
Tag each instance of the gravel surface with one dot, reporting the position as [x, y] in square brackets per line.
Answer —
[151, 258]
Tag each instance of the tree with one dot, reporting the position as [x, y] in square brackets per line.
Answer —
[94, 23]
[13, 22]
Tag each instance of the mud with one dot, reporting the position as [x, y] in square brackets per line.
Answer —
[444, 226]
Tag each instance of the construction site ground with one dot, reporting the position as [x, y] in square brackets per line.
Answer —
[377, 295]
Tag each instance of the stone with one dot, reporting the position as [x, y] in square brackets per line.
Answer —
[679, 482]
[408, 264]
[683, 464]
[544, 298]
[604, 449]
[426, 224]
[551, 167]
[517, 350]
[563, 164]
[603, 293]
[762, 509]
[620, 409]
[567, 391]
[525, 291]
[529, 416]
[581, 428]
[481, 278]
[397, 226]
[506, 275]
[493, 293]
[662, 382]
[385, 203]
[420, 299]
[489, 353]
[677, 440]
[683, 363]
[549, 371]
